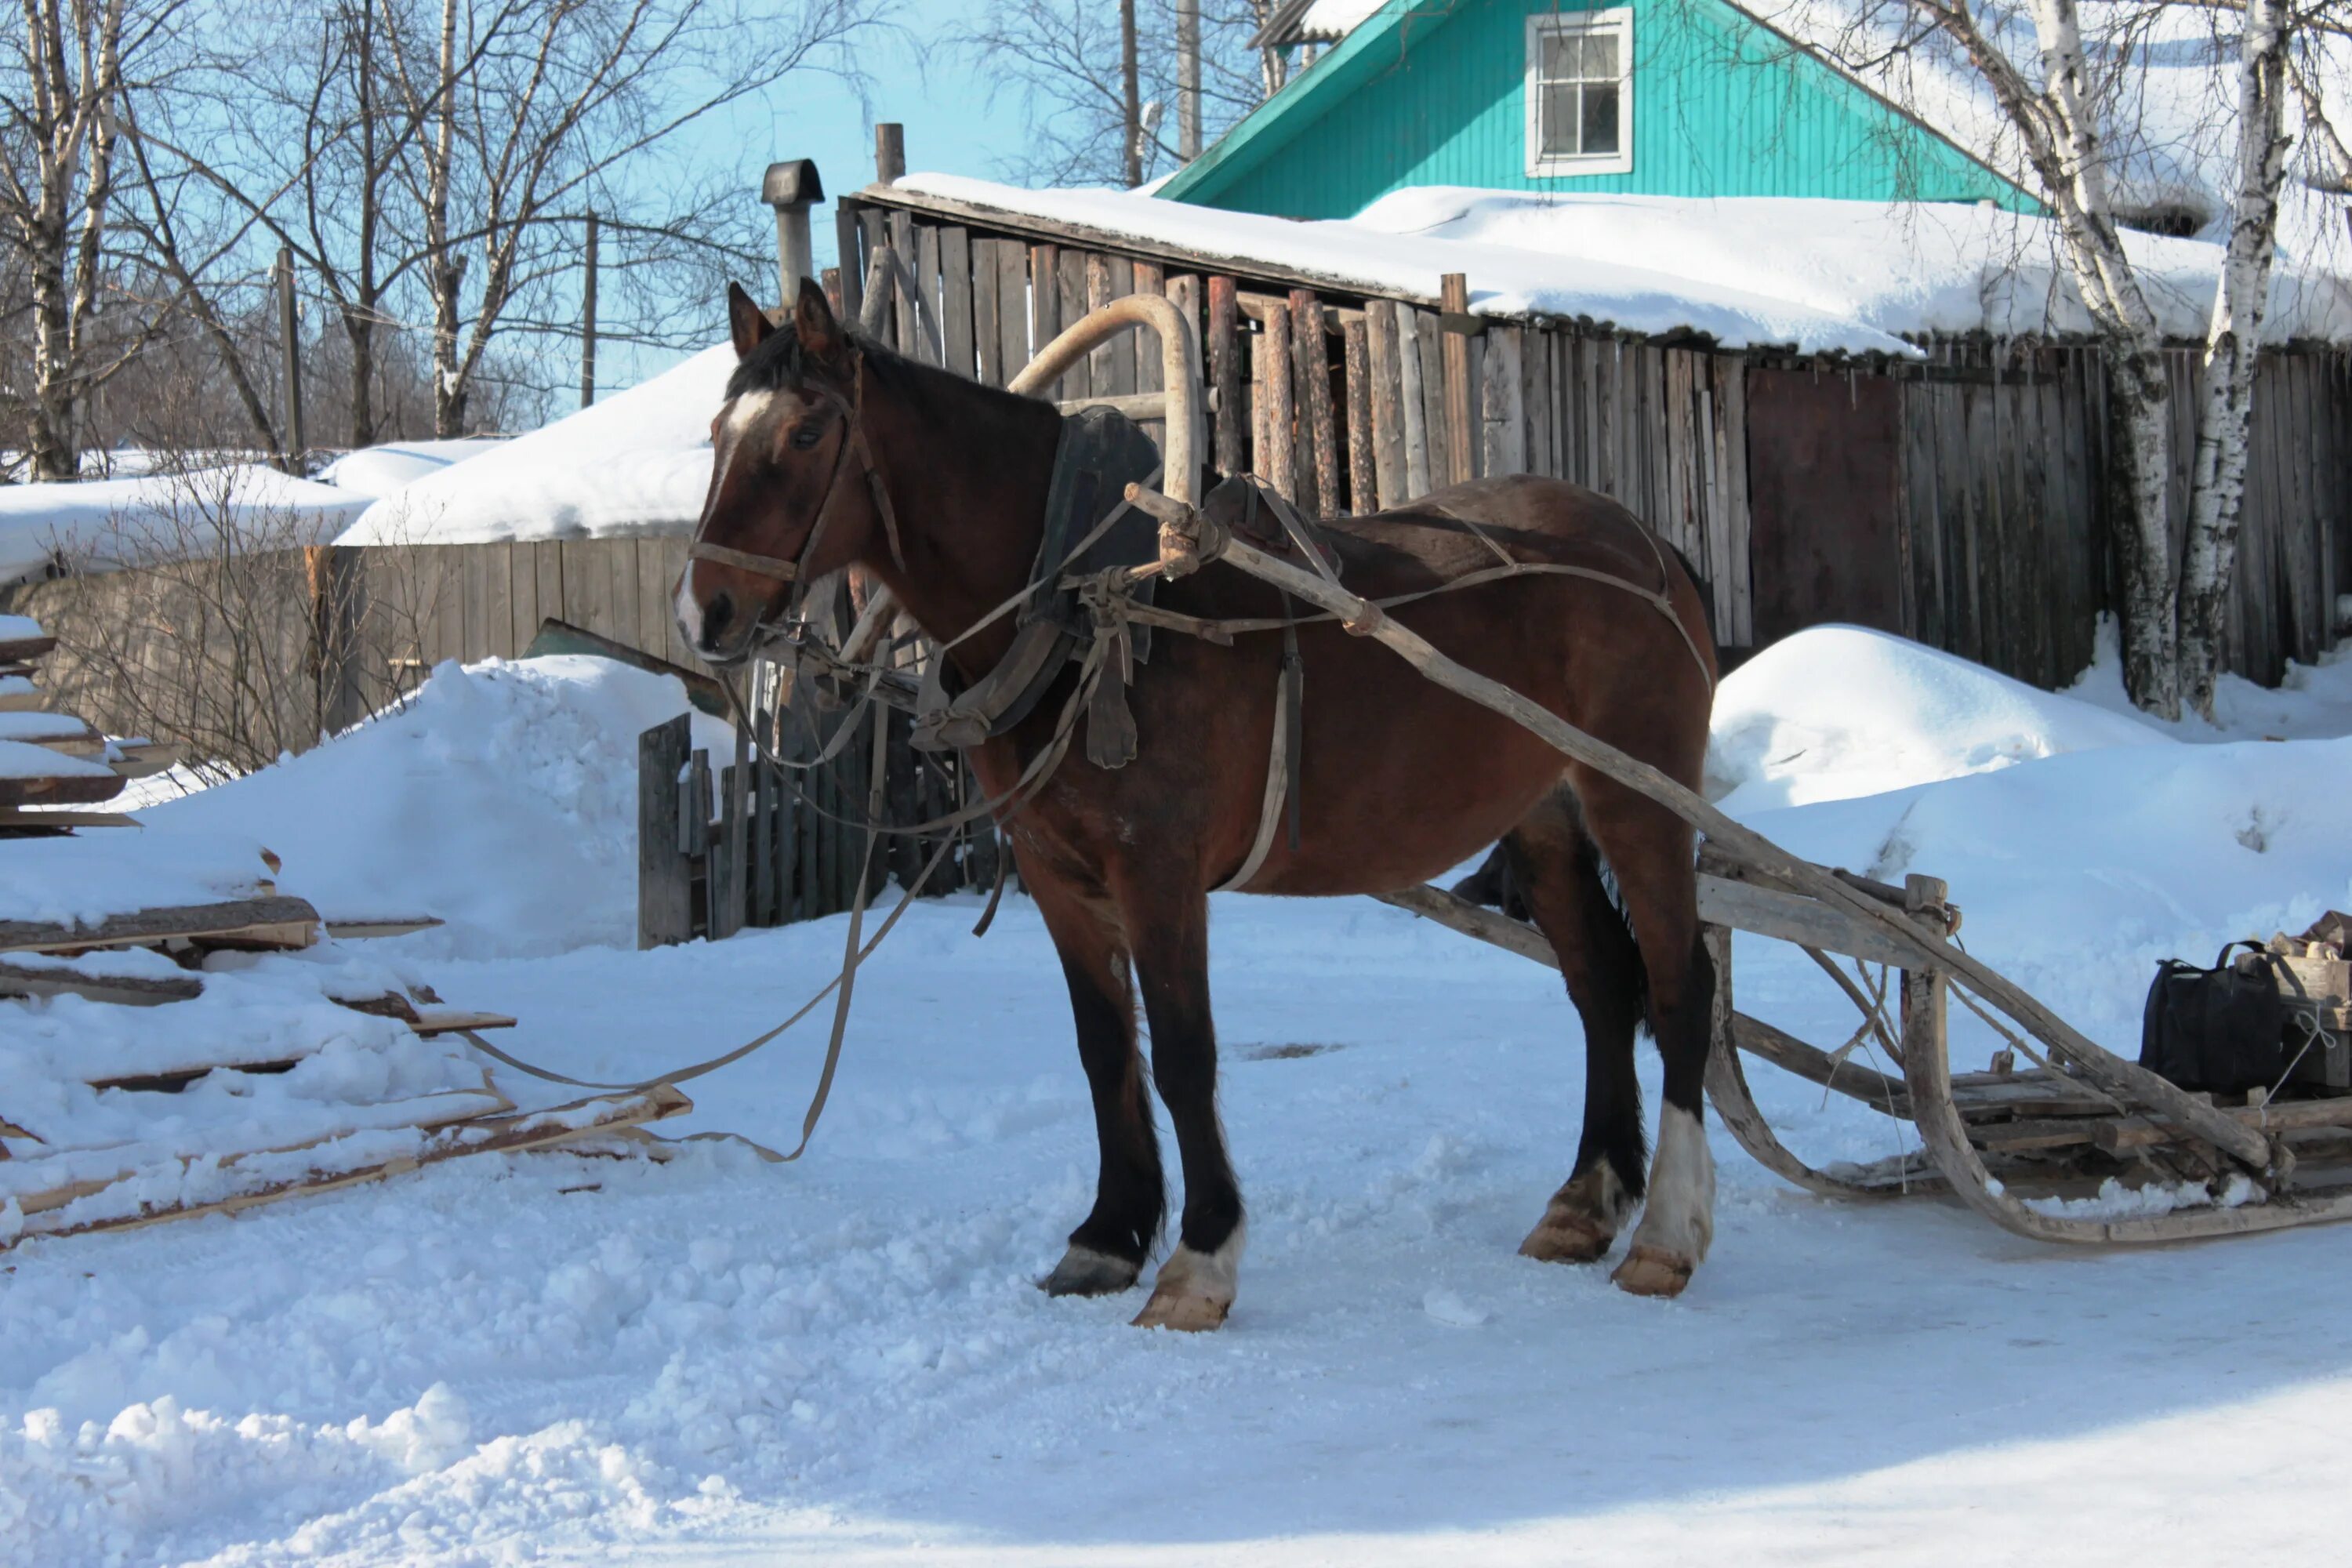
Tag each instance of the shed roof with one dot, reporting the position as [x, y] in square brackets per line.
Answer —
[1811, 274]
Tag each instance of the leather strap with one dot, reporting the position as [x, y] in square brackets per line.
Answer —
[1278, 766]
[744, 561]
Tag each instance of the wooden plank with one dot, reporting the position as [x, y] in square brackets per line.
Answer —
[124, 990]
[1460, 408]
[956, 298]
[388, 925]
[664, 877]
[1502, 408]
[1679, 521]
[1228, 429]
[1534, 400]
[15, 650]
[927, 278]
[1319, 432]
[1428, 339]
[75, 790]
[988, 337]
[656, 597]
[1013, 307]
[1044, 304]
[1071, 280]
[275, 921]
[1102, 359]
[456, 1129]
[905, 330]
[1793, 917]
[1357, 359]
[848, 238]
[1121, 378]
[1150, 279]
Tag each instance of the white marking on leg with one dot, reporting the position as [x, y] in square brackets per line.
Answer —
[1680, 1218]
[1195, 1289]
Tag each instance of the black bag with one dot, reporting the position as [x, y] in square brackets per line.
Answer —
[2222, 1028]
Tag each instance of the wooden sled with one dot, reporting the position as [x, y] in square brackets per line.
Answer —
[2077, 1116]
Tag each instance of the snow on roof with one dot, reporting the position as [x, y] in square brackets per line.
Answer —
[381, 469]
[1815, 274]
[636, 463]
[106, 524]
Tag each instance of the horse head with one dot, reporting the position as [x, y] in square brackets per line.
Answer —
[788, 502]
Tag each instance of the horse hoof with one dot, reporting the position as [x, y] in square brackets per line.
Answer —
[1187, 1311]
[1083, 1271]
[1561, 1236]
[1652, 1272]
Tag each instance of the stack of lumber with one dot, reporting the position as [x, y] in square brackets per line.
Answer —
[270, 1075]
[49, 759]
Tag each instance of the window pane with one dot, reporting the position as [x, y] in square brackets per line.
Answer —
[1562, 56]
[1600, 57]
[1560, 121]
[1600, 117]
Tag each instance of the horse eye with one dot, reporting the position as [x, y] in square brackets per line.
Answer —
[808, 435]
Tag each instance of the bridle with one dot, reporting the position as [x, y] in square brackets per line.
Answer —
[788, 570]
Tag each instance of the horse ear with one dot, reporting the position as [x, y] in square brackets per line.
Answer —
[820, 331]
[746, 322]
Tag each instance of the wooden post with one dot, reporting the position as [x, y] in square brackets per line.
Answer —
[1277, 461]
[588, 321]
[1461, 409]
[957, 297]
[290, 347]
[987, 336]
[1102, 360]
[1225, 375]
[1319, 461]
[1387, 388]
[1188, 79]
[791, 187]
[664, 891]
[890, 152]
[1413, 401]
[1362, 488]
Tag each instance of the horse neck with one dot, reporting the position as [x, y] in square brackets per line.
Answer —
[967, 469]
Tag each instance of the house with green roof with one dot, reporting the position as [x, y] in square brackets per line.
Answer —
[1673, 98]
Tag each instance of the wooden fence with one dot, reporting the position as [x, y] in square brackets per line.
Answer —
[1957, 501]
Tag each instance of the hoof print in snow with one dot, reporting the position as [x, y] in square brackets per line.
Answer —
[1652, 1272]
[1083, 1271]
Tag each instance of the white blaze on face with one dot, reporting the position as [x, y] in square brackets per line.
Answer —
[743, 414]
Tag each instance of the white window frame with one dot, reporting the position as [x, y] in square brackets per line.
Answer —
[1617, 20]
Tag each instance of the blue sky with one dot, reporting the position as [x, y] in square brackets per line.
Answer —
[951, 128]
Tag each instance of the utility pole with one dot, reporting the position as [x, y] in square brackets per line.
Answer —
[1188, 79]
[1131, 94]
[792, 188]
[290, 346]
[588, 321]
[890, 152]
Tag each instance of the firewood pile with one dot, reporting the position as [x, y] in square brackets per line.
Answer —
[50, 760]
[168, 1059]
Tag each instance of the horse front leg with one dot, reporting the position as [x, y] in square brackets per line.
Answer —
[1108, 1250]
[1170, 934]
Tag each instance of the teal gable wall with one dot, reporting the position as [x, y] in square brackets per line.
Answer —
[1432, 93]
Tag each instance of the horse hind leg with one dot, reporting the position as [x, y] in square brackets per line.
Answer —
[1651, 854]
[1558, 871]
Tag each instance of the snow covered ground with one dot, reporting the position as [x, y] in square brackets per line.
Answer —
[720, 1361]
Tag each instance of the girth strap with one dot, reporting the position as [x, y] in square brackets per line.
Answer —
[1281, 762]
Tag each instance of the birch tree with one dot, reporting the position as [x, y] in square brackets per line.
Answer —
[63, 86]
[2062, 98]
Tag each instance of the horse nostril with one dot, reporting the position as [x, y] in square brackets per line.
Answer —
[715, 616]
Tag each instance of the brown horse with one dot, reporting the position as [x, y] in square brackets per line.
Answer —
[1400, 779]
